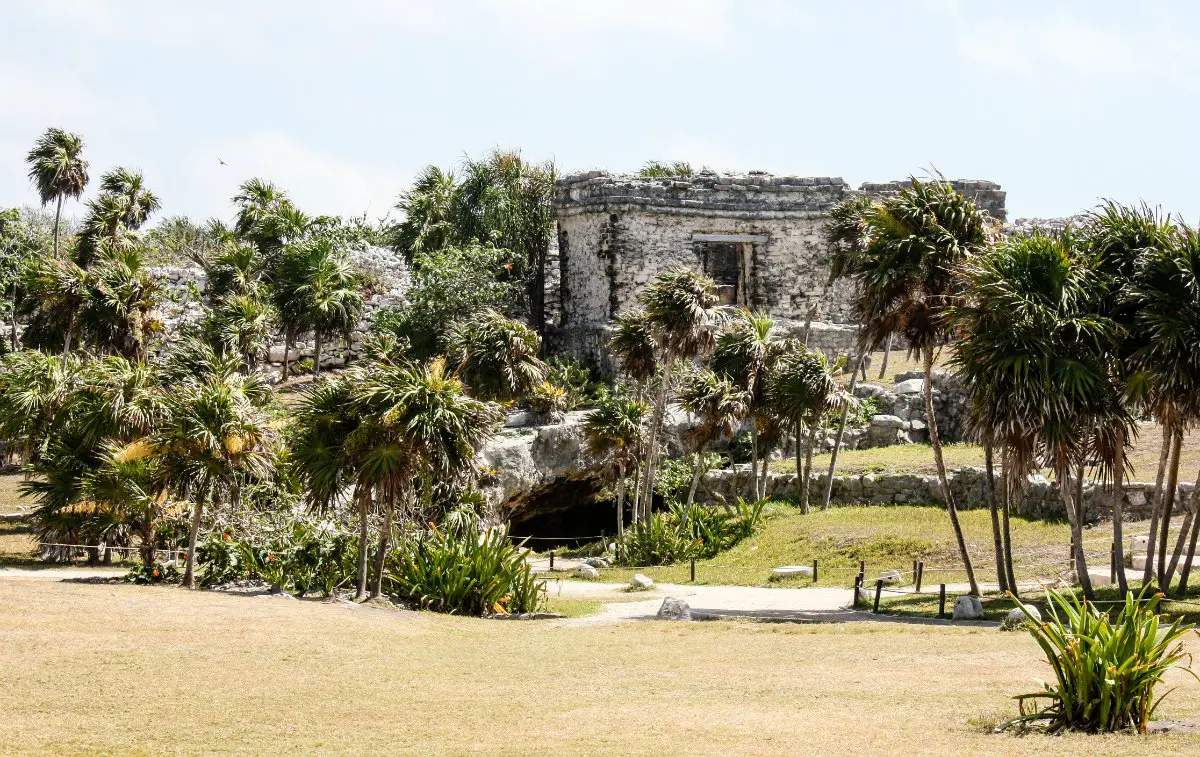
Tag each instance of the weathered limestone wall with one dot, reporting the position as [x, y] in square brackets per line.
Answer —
[1039, 498]
[616, 233]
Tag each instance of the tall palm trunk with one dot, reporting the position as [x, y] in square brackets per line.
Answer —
[57, 222]
[989, 463]
[656, 422]
[806, 481]
[801, 473]
[364, 500]
[837, 440]
[1009, 481]
[887, 353]
[189, 577]
[754, 458]
[1072, 494]
[385, 535]
[1184, 532]
[1118, 515]
[317, 352]
[935, 441]
[148, 539]
[1168, 507]
[70, 334]
[12, 304]
[1168, 449]
[620, 505]
[1184, 574]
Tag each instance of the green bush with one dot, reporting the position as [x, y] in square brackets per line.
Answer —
[158, 573]
[666, 538]
[222, 559]
[1105, 669]
[472, 574]
[575, 379]
[548, 401]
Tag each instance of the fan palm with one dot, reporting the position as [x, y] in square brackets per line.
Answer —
[745, 351]
[215, 438]
[632, 342]
[1038, 361]
[802, 391]
[324, 420]
[427, 209]
[58, 170]
[616, 430]
[682, 311]
[496, 357]
[316, 288]
[118, 312]
[904, 262]
[242, 324]
[720, 404]
[55, 290]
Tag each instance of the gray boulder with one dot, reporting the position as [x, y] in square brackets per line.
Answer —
[911, 386]
[641, 581]
[968, 607]
[674, 609]
[587, 571]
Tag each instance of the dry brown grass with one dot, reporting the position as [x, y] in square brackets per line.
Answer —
[130, 670]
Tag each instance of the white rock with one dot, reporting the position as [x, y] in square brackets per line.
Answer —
[640, 581]
[1138, 544]
[968, 607]
[792, 571]
[674, 609]
[1138, 562]
[1100, 577]
[1016, 616]
[890, 577]
[911, 386]
[587, 571]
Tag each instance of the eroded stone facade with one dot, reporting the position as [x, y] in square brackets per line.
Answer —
[759, 236]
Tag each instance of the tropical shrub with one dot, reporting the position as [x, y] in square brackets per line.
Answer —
[574, 378]
[1105, 669]
[472, 574]
[158, 573]
[222, 559]
[658, 539]
[719, 530]
[548, 401]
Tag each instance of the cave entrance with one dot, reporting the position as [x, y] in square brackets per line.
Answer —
[566, 513]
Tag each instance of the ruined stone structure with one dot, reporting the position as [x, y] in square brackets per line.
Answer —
[758, 236]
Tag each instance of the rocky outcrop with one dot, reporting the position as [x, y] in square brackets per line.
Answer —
[524, 464]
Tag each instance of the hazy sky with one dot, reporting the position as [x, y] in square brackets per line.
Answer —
[340, 102]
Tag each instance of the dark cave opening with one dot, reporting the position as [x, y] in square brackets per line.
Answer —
[567, 513]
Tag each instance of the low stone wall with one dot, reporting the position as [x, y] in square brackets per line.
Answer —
[1039, 497]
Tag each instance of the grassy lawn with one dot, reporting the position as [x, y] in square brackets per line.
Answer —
[918, 458]
[135, 670]
[886, 537]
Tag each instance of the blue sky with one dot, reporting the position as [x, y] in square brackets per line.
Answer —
[341, 102]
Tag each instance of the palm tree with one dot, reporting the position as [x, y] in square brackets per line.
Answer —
[428, 214]
[802, 392]
[257, 200]
[118, 313]
[324, 420]
[616, 429]
[632, 342]
[721, 405]
[138, 200]
[55, 290]
[904, 265]
[58, 170]
[242, 324]
[1119, 238]
[417, 422]
[1039, 358]
[216, 437]
[682, 311]
[496, 357]
[1167, 293]
[745, 352]
[316, 288]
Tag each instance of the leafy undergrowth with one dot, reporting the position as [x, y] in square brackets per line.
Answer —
[885, 537]
[996, 607]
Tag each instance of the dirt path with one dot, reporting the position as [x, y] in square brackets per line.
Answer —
[60, 574]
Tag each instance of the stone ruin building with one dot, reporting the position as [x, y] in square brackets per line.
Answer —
[757, 235]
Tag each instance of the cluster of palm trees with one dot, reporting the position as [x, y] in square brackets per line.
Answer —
[1064, 342]
[726, 367]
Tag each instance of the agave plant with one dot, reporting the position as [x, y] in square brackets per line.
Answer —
[1105, 669]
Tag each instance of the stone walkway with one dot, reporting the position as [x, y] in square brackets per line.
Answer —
[814, 605]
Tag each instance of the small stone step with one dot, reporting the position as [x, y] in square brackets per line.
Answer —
[792, 571]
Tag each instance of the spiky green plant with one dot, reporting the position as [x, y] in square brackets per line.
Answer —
[496, 357]
[58, 170]
[1105, 668]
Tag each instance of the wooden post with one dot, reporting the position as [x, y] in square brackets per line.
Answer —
[858, 581]
[942, 601]
[1112, 564]
[878, 591]
[914, 571]
[862, 567]
[920, 574]
[552, 559]
[693, 570]
[814, 571]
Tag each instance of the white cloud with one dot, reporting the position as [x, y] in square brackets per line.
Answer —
[319, 183]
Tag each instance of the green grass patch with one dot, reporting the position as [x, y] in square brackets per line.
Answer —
[886, 537]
